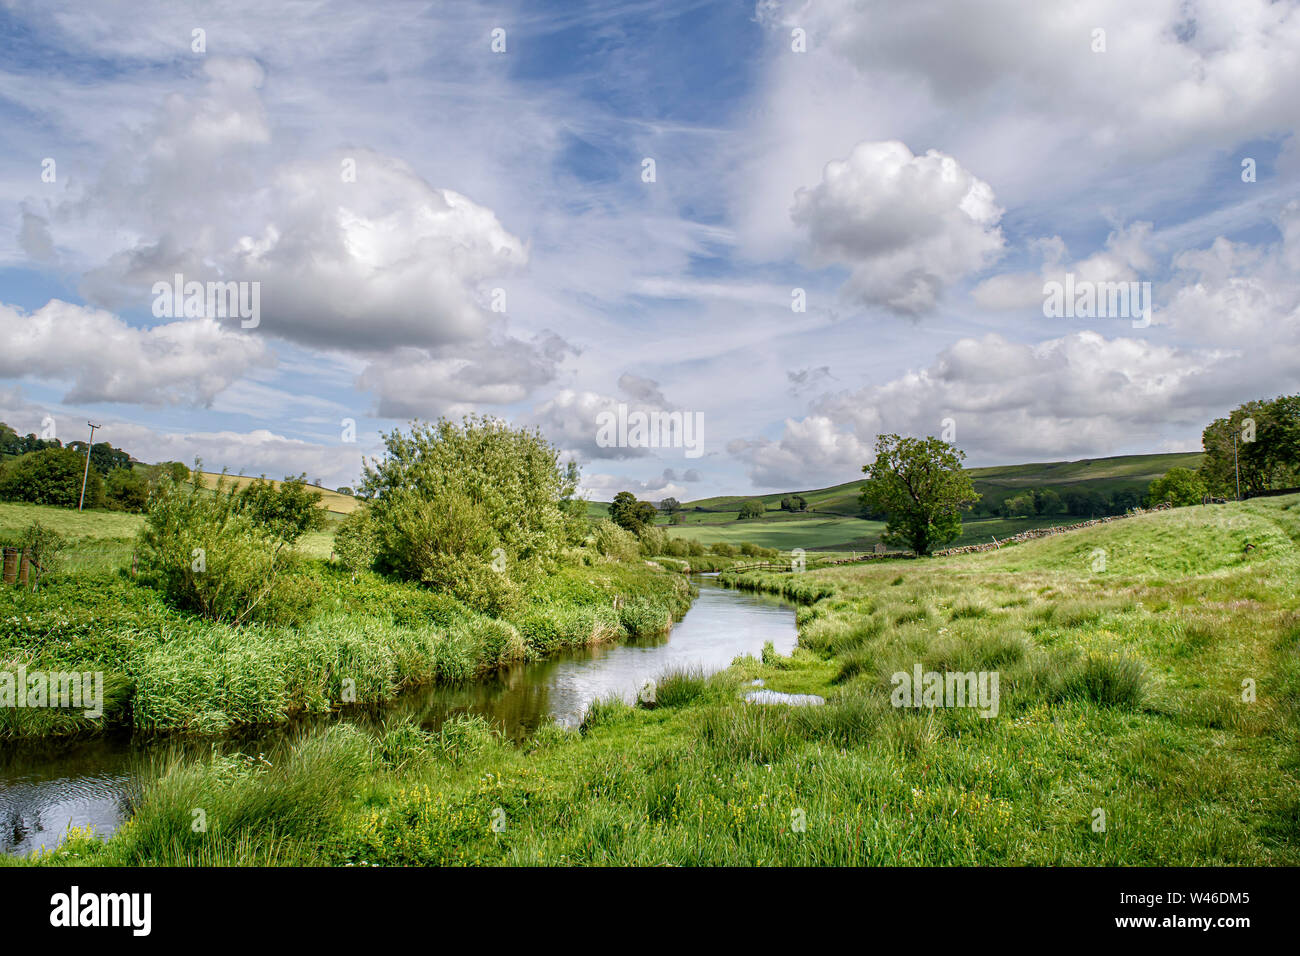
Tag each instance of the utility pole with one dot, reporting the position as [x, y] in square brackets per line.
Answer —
[86, 473]
[1236, 471]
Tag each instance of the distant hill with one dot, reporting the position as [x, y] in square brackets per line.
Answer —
[833, 522]
[996, 482]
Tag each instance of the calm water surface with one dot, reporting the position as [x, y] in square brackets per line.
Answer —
[46, 787]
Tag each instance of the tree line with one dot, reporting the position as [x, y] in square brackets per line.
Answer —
[44, 471]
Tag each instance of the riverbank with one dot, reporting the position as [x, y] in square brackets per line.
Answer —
[364, 641]
[1121, 735]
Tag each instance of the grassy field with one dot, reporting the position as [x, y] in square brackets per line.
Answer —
[97, 541]
[810, 533]
[830, 533]
[1121, 738]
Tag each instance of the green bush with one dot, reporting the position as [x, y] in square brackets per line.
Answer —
[51, 476]
[286, 510]
[654, 540]
[615, 543]
[473, 509]
[126, 490]
[208, 556]
[356, 543]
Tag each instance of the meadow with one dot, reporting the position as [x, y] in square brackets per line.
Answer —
[1150, 692]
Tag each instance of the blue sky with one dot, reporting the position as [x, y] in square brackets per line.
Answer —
[920, 171]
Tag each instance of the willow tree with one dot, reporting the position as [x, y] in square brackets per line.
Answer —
[472, 508]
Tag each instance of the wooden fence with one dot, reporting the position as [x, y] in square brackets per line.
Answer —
[17, 566]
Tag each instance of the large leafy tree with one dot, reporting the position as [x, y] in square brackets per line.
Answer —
[1178, 486]
[51, 476]
[920, 484]
[630, 514]
[1267, 437]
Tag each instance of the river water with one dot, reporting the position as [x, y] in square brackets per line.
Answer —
[47, 786]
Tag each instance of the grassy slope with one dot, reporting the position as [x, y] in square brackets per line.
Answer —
[1125, 469]
[1120, 691]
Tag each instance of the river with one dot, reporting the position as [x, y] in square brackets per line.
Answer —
[48, 785]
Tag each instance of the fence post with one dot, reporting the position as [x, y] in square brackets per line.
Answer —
[24, 566]
[10, 562]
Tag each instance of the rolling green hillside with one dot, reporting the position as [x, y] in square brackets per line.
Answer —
[832, 522]
[997, 481]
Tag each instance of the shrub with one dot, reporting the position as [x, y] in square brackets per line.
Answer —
[287, 510]
[126, 490]
[447, 544]
[356, 543]
[450, 502]
[654, 540]
[52, 476]
[207, 555]
[614, 542]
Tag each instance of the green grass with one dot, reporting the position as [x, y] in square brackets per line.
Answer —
[167, 670]
[809, 533]
[848, 535]
[97, 541]
[1120, 691]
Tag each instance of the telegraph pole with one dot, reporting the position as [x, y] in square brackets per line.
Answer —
[1236, 471]
[86, 473]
